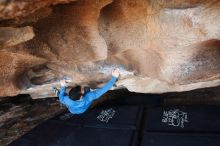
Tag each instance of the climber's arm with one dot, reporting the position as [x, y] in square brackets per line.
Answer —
[62, 95]
[99, 92]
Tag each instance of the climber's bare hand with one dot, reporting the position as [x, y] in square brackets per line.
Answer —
[115, 73]
[63, 83]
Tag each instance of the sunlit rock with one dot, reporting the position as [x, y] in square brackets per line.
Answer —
[159, 46]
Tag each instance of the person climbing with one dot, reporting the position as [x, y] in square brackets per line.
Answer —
[79, 99]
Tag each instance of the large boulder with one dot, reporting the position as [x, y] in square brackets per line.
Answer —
[159, 46]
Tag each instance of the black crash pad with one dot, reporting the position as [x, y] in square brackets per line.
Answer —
[168, 139]
[114, 117]
[183, 119]
[58, 134]
[106, 126]
[127, 117]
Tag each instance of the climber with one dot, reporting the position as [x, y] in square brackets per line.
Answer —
[79, 99]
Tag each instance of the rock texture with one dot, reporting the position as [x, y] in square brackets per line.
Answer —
[19, 115]
[159, 46]
[18, 8]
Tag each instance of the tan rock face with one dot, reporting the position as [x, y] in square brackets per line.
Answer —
[159, 46]
[13, 66]
[13, 36]
[18, 8]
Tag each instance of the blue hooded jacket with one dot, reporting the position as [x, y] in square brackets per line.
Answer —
[81, 105]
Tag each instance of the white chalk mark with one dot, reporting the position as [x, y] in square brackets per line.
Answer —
[175, 118]
[105, 115]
